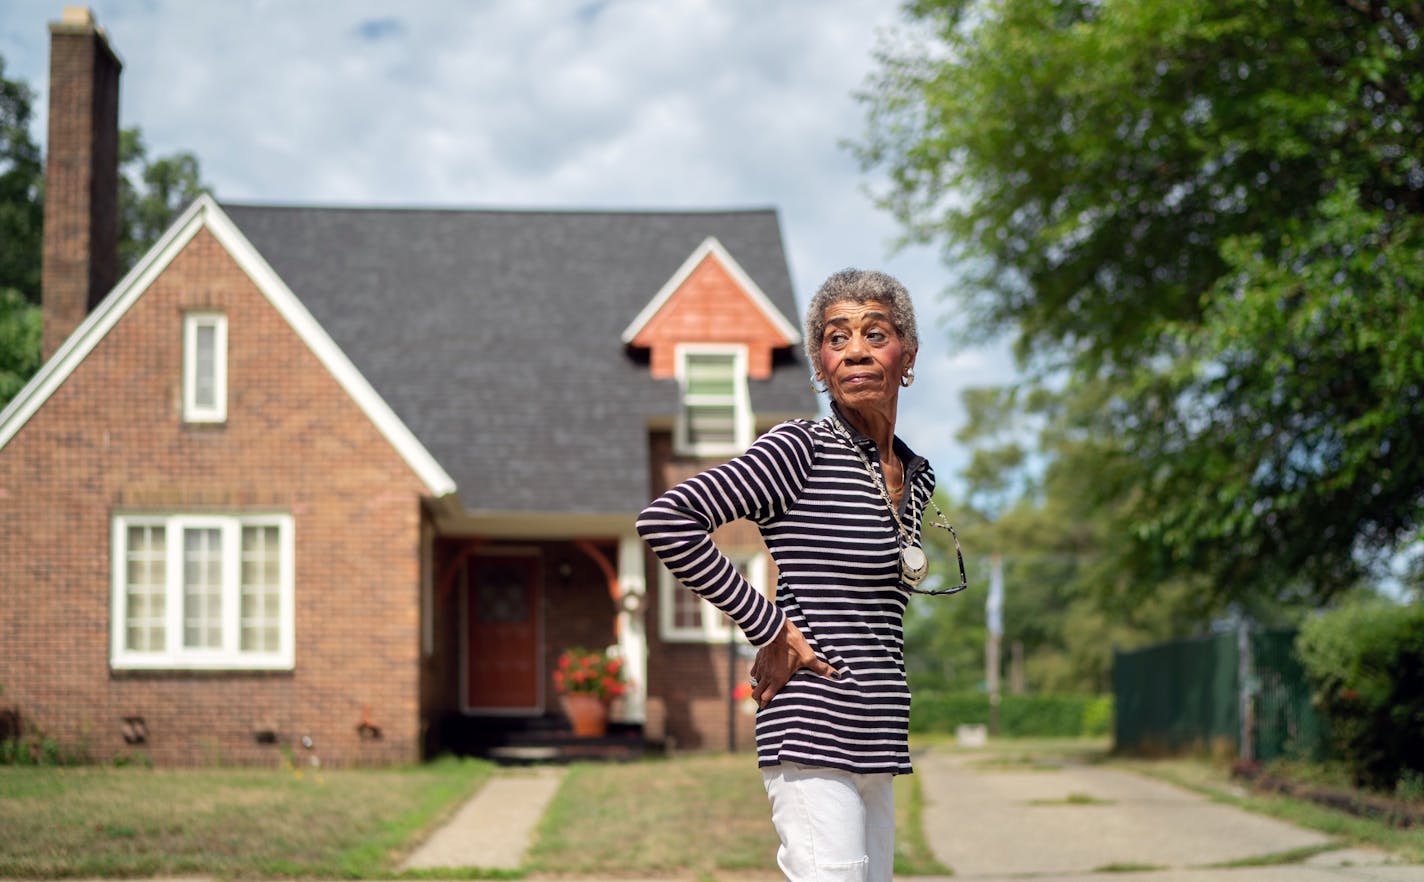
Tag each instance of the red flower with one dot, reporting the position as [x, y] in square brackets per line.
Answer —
[589, 673]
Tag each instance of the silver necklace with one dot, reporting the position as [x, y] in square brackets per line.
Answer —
[914, 566]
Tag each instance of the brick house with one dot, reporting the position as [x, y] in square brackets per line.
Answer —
[351, 479]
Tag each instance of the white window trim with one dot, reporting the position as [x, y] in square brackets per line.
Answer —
[741, 402]
[715, 628]
[174, 656]
[192, 411]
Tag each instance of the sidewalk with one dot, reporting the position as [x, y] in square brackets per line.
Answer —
[1086, 822]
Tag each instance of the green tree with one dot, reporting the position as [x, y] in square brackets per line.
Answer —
[152, 193]
[1204, 220]
[21, 229]
[1058, 552]
[21, 191]
[19, 342]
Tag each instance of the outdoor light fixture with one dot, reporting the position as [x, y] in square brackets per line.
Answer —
[631, 601]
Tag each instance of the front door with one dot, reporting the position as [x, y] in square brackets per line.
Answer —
[503, 666]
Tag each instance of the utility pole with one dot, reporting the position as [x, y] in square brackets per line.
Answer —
[994, 615]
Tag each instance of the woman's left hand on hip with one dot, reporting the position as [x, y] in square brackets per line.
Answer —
[778, 660]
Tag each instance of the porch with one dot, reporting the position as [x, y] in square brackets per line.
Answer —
[497, 613]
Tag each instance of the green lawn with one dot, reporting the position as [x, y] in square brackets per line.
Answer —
[702, 814]
[100, 821]
[696, 814]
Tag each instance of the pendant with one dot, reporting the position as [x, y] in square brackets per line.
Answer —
[914, 566]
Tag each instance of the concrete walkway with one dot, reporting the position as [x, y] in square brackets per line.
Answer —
[494, 829]
[991, 823]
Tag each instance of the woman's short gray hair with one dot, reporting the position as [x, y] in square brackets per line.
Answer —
[860, 286]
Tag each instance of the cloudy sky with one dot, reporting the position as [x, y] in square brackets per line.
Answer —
[536, 104]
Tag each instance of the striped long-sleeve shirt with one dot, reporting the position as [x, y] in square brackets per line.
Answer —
[836, 545]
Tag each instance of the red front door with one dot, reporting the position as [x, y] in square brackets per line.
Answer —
[503, 670]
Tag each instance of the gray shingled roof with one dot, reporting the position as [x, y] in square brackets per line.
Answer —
[494, 335]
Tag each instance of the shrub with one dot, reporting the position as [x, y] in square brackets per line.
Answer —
[1019, 715]
[1365, 663]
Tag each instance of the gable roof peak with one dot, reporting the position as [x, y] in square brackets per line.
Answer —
[712, 247]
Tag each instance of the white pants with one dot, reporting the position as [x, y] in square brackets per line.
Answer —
[834, 826]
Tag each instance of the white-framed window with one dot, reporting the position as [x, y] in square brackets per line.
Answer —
[686, 618]
[202, 592]
[715, 415]
[204, 367]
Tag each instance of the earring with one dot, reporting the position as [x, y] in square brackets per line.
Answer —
[819, 390]
[909, 379]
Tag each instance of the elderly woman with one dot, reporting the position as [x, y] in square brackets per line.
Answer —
[839, 503]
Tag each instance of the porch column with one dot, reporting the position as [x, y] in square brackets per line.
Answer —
[632, 635]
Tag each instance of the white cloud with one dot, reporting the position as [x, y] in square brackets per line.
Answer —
[624, 103]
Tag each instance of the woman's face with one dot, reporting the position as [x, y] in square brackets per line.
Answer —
[862, 355]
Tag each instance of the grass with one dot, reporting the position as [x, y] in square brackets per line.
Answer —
[99, 821]
[1292, 856]
[697, 815]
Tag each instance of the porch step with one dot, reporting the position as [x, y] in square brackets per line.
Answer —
[538, 741]
[532, 748]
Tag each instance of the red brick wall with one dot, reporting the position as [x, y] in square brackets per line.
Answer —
[710, 307]
[111, 438]
[688, 683]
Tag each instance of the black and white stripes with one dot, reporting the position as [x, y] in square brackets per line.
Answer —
[835, 544]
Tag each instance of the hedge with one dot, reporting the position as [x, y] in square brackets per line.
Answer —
[1365, 662]
[1019, 715]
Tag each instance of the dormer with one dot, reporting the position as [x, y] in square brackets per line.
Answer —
[711, 328]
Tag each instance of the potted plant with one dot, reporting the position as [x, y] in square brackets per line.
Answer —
[588, 682]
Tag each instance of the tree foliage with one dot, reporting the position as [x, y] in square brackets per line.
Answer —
[152, 192]
[19, 342]
[1208, 216]
[21, 191]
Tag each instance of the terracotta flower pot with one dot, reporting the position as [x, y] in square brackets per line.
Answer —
[587, 713]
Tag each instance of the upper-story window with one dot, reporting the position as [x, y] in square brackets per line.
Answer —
[687, 618]
[204, 367]
[716, 413]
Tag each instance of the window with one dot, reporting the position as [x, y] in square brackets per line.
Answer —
[204, 367]
[202, 591]
[686, 618]
[716, 415]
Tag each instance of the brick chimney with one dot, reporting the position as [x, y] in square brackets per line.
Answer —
[81, 213]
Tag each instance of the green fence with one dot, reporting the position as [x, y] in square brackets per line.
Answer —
[1187, 696]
